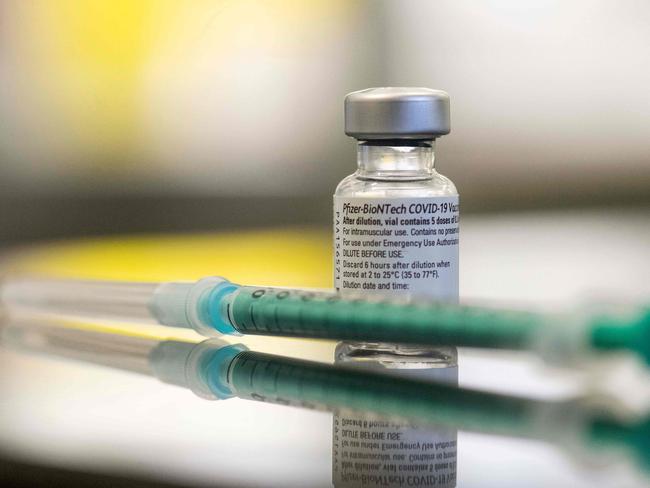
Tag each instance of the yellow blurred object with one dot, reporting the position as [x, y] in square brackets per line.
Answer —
[291, 257]
[85, 60]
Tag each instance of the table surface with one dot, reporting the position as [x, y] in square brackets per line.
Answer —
[82, 416]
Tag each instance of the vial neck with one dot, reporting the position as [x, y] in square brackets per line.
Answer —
[395, 160]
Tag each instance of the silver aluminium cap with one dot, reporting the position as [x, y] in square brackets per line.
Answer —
[397, 113]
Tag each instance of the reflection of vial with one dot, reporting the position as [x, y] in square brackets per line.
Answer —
[371, 451]
[396, 233]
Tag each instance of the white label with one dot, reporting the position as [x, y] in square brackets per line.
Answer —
[397, 245]
[369, 451]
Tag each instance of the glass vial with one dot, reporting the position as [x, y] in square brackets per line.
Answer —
[396, 219]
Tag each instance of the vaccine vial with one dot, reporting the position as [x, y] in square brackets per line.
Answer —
[396, 224]
[396, 219]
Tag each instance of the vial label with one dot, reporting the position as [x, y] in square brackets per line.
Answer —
[397, 245]
[370, 451]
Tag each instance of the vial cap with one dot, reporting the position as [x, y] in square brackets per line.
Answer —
[397, 113]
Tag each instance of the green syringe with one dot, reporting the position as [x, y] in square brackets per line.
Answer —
[215, 306]
[216, 370]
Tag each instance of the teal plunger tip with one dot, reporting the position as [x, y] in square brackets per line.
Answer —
[609, 334]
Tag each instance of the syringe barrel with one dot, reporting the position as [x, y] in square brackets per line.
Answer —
[274, 311]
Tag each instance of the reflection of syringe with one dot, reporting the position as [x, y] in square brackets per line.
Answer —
[214, 306]
[213, 369]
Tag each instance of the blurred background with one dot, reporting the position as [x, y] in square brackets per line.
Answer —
[167, 115]
[161, 126]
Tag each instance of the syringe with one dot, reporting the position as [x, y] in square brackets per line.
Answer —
[215, 306]
[216, 370]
